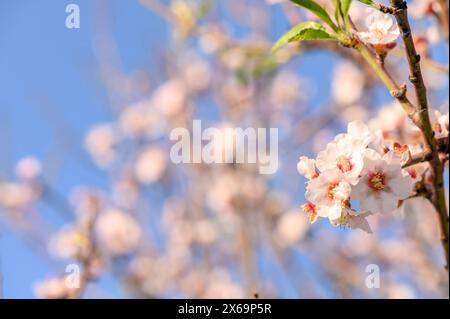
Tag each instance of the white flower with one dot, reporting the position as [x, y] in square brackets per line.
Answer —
[330, 192]
[368, 138]
[345, 154]
[382, 183]
[307, 167]
[382, 29]
[117, 232]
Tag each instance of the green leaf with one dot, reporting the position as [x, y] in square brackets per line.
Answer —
[309, 30]
[337, 13]
[345, 5]
[368, 2]
[318, 11]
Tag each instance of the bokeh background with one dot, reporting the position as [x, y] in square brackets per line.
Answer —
[224, 231]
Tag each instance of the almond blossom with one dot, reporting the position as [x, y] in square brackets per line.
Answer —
[307, 167]
[330, 192]
[382, 30]
[357, 166]
[383, 183]
[343, 153]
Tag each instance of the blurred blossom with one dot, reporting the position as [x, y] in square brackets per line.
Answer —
[53, 288]
[118, 233]
[236, 95]
[433, 34]
[125, 190]
[212, 38]
[205, 232]
[389, 118]
[87, 203]
[221, 286]
[184, 15]
[170, 98]
[348, 83]
[361, 243]
[233, 58]
[287, 90]
[28, 168]
[16, 196]
[196, 72]
[400, 291]
[355, 112]
[420, 8]
[133, 121]
[69, 242]
[100, 144]
[150, 165]
[291, 227]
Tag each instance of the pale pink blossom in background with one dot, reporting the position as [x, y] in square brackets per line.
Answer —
[150, 165]
[100, 143]
[170, 98]
[291, 227]
[118, 233]
[28, 168]
[53, 288]
[347, 84]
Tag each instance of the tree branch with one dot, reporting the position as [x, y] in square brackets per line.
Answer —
[400, 12]
[398, 92]
[418, 158]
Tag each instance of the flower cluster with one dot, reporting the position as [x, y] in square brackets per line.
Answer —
[356, 167]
